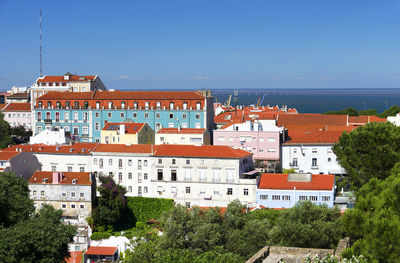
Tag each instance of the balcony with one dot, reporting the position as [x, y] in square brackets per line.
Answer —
[48, 121]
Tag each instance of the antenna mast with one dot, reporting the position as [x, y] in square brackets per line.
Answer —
[40, 21]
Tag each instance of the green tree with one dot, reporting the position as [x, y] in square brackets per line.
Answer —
[392, 111]
[369, 112]
[374, 223]
[43, 239]
[308, 225]
[5, 133]
[111, 206]
[15, 204]
[369, 151]
[348, 111]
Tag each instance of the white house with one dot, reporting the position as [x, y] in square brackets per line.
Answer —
[311, 152]
[49, 137]
[285, 190]
[182, 136]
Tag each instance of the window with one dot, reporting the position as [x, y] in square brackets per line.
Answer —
[82, 206]
[197, 125]
[216, 175]
[97, 114]
[159, 161]
[101, 162]
[129, 176]
[145, 176]
[202, 191]
[97, 126]
[73, 206]
[171, 105]
[134, 115]
[95, 161]
[229, 191]
[314, 162]
[41, 193]
[162, 139]
[63, 206]
[276, 197]
[157, 115]
[303, 198]
[158, 104]
[160, 174]
[173, 175]
[197, 116]
[221, 139]
[146, 115]
[286, 197]
[109, 114]
[329, 159]
[245, 191]
[53, 168]
[120, 176]
[82, 169]
[185, 104]
[263, 197]
[188, 174]
[130, 189]
[184, 115]
[187, 189]
[314, 198]
[120, 163]
[326, 198]
[129, 162]
[187, 161]
[63, 194]
[271, 150]
[122, 114]
[171, 115]
[295, 164]
[81, 194]
[198, 105]
[314, 150]
[188, 204]
[145, 190]
[145, 163]
[216, 191]
[110, 162]
[202, 175]
[110, 105]
[146, 104]
[73, 194]
[271, 139]
[69, 168]
[229, 176]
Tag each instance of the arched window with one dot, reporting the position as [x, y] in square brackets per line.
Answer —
[171, 105]
[110, 104]
[198, 105]
[49, 104]
[123, 104]
[76, 104]
[97, 104]
[67, 104]
[85, 104]
[58, 105]
[40, 104]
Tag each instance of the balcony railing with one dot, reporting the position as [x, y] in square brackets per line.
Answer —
[48, 121]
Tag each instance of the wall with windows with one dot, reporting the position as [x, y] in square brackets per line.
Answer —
[272, 198]
[315, 159]
[183, 138]
[18, 118]
[64, 162]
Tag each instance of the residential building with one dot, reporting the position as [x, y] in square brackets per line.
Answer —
[18, 114]
[127, 133]
[50, 137]
[22, 97]
[394, 119]
[72, 192]
[101, 254]
[84, 114]
[285, 190]
[183, 136]
[260, 137]
[311, 152]
[22, 164]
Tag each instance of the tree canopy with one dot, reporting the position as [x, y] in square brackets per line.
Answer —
[368, 152]
[5, 133]
[392, 111]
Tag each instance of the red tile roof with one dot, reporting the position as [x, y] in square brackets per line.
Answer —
[124, 95]
[314, 137]
[107, 251]
[18, 107]
[319, 120]
[123, 148]
[280, 181]
[2, 106]
[182, 130]
[77, 148]
[365, 119]
[5, 156]
[76, 257]
[206, 151]
[61, 78]
[83, 178]
[21, 95]
[130, 128]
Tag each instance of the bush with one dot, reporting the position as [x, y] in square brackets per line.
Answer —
[140, 225]
[144, 208]
[100, 235]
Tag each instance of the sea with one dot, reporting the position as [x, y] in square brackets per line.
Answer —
[313, 100]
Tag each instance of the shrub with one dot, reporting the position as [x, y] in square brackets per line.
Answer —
[144, 208]
[100, 235]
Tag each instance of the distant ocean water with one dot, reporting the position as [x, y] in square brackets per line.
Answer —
[316, 100]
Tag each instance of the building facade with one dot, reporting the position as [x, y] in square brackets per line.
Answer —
[85, 114]
[285, 190]
[183, 136]
[18, 114]
[22, 164]
[127, 133]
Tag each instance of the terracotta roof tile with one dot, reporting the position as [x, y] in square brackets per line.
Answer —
[23, 95]
[82, 178]
[130, 127]
[280, 181]
[18, 107]
[107, 251]
[182, 130]
[5, 156]
[61, 78]
[54, 95]
[206, 151]
[319, 120]
[77, 148]
[123, 148]
[314, 137]
[76, 257]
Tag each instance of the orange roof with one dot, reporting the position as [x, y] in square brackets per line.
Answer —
[83, 178]
[2, 106]
[18, 107]
[314, 137]
[320, 120]
[206, 151]
[365, 119]
[182, 130]
[124, 95]
[123, 148]
[107, 251]
[77, 148]
[280, 181]
[21, 95]
[130, 128]
[5, 156]
[61, 78]
[76, 257]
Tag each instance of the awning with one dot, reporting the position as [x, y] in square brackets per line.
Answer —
[251, 172]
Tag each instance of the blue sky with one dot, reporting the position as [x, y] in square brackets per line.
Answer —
[212, 44]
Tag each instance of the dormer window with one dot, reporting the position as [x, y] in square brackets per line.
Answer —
[135, 105]
[58, 105]
[86, 104]
[171, 105]
[110, 104]
[185, 104]
[74, 181]
[76, 104]
[39, 104]
[123, 104]
[198, 105]
[67, 104]
[44, 180]
[49, 104]
[97, 104]
[158, 104]
[146, 104]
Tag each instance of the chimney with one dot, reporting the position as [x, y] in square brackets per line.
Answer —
[122, 128]
[57, 177]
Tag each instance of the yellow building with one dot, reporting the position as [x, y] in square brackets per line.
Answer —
[127, 133]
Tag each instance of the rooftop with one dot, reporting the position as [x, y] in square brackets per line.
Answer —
[107, 251]
[181, 130]
[314, 137]
[5, 156]
[83, 178]
[77, 148]
[284, 182]
[206, 151]
[130, 127]
[61, 78]
[21, 95]
[124, 148]
[18, 107]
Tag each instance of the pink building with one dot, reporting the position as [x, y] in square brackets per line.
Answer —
[259, 137]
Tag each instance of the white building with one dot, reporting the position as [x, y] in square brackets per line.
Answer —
[72, 192]
[182, 136]
[394, 119]
[285, 190]
[311, 152]
[18, 114]
[49, 137]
